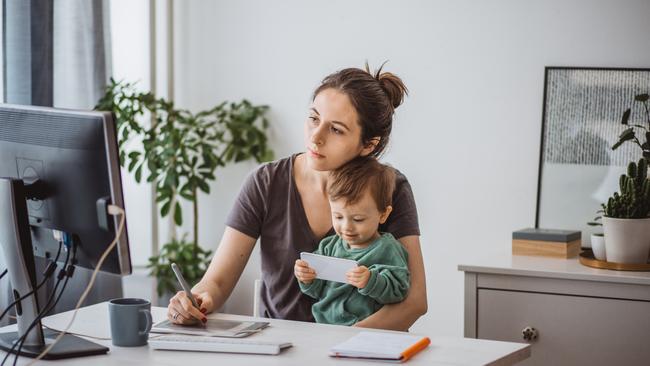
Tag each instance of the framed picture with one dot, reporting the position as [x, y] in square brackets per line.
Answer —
[581, 120]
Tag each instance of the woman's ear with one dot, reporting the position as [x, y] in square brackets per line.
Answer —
[370, 146]
[385, 215]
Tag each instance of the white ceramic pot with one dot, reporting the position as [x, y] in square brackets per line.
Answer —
[598, 246]
[627, 240]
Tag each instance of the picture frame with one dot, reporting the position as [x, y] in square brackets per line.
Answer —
[581, 120]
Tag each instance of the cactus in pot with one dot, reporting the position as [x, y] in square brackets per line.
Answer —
[626, 217]
[634, 200]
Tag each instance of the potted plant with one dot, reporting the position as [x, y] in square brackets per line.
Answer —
[180, 152]
[626, 217]
[632, 133]
[598, 240]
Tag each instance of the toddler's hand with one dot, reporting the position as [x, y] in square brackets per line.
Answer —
[303, 272]
[358, 277]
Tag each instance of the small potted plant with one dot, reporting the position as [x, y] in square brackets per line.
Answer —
[626, 217]
[598, 239]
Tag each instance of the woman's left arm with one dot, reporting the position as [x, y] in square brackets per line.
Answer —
[401, 316]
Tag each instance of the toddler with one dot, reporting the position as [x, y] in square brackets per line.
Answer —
[360, 195]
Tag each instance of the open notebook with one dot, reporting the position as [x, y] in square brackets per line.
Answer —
[381, 346]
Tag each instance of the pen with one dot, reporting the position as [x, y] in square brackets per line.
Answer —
[184, 285]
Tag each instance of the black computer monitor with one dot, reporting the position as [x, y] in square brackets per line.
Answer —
[59, 169]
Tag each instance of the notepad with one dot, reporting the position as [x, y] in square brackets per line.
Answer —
[381, 346]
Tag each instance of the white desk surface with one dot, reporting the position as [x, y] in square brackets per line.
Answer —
[311, 343]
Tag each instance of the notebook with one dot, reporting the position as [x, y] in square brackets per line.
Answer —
[392, 347]
[213, 327]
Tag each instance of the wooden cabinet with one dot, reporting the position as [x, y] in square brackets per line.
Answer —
[579, 315]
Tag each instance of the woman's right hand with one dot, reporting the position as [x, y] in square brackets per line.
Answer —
[181, 310]
[303, 272]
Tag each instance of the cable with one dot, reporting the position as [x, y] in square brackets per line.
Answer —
[114, 211]
[69, 271]
[47, 273]
[4, 273]
[49, 270]
[21, 340]
[66, 271]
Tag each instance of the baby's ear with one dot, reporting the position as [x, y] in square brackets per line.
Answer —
[384, 216]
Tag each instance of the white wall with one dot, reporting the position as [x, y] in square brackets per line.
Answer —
[130, 62]
[467, 137]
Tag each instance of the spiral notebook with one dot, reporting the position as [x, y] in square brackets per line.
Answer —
[381, 346]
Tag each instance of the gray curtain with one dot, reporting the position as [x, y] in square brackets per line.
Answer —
[57, 53]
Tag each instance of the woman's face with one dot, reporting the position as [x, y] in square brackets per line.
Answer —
[332, 131]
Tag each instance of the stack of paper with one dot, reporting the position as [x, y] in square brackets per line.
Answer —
[381, 346]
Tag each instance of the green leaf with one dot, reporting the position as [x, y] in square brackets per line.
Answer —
[626, 135]
[642, 97]
[617, 144]
[122, 158]
[132, 163]
[203, 185]
[164, 210]
[178, 215]
[626, 116]
[134, 154]
[138, 173]
[187, 195]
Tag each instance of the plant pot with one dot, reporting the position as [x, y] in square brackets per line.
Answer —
[627, 240]
[598, 246]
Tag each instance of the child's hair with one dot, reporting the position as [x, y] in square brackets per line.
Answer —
[352, 179]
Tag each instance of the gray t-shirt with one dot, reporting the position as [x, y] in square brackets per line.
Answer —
[269, 207]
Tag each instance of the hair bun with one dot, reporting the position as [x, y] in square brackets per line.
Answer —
[393, 86]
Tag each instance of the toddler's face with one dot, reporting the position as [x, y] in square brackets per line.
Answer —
[357, 223]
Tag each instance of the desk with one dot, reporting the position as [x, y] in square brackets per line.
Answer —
[311, 343]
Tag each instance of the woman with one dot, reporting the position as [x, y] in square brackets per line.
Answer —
[284, 203]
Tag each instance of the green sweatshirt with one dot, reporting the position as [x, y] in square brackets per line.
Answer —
[344, 304]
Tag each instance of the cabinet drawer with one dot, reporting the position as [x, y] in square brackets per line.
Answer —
[572, 330]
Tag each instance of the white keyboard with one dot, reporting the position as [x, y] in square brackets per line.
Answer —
[216, 344]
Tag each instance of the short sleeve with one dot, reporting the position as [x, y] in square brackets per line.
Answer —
[250, 207]
[403, 220]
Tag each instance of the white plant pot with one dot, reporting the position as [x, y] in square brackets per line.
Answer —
[627, 240]
[598, 246]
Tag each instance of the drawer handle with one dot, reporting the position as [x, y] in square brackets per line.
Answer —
[529, 334]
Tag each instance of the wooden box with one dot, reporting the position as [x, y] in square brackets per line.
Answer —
[546, 242]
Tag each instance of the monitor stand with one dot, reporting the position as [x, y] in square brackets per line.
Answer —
[16, 244]
[69, 346]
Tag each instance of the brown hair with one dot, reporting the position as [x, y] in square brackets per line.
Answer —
[374, 97]
[352, 179]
